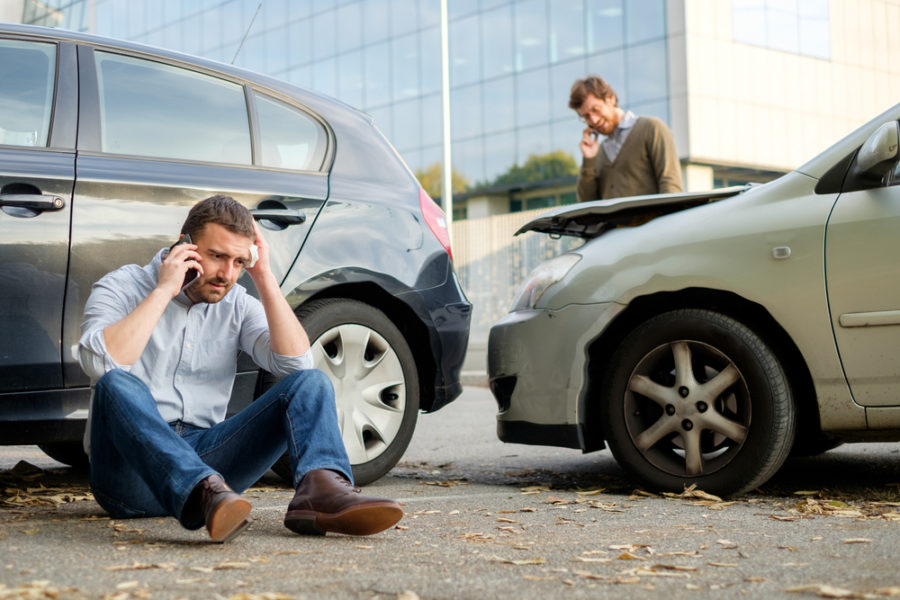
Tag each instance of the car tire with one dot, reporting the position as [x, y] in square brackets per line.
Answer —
[376, 382]
[694, 397]
[68, 453]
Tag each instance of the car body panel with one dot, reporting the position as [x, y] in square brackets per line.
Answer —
[862, 252]
[592, 219]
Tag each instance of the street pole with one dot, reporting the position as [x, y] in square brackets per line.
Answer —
[447, 170]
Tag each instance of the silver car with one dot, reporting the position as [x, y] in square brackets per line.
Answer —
[706, 337]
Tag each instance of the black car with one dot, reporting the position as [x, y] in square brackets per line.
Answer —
[104, 147]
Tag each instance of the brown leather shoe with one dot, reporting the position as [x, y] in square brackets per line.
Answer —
[224, 511]
[326, 501]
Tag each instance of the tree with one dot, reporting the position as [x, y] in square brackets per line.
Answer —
[540, 167]
[430, 178]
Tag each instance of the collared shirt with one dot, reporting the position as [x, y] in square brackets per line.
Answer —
[613, 143]
[190, 362]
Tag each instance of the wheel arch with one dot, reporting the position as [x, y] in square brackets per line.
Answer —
[402, 315]
[753, 315]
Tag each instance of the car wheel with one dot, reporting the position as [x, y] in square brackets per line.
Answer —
[696, 397]
[375, 380]
[68, 453]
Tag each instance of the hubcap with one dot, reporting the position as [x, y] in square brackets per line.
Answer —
[687, 408]
[369, 388]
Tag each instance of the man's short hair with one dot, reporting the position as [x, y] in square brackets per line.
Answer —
[590, 85]
[221, 210]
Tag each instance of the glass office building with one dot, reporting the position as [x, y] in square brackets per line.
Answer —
[511, 62]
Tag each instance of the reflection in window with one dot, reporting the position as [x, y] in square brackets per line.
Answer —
[405, 52]
[566, 29]
[646, 69]
[499, 99]
[289, 139]
[644, 20]
[377, 65]
[410, 134]
[800, 27]
[532, 97]
[465, 51]
[531, 34]
[27, 71]
[497, 53]
[152, 109]
[350, 78]
[465, 112]
[605, 25]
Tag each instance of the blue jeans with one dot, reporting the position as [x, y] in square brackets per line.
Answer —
[142, 466]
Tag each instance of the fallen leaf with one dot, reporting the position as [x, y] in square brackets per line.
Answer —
[127, 585]
[629, 556]
[826, 591]
[225, 566]
[540, 577]
[538, 560]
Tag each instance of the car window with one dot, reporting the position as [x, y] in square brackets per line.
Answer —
[152, 109]
[289, 138]
[27, 70]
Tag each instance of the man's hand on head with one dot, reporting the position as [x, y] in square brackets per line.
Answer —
[262, 267]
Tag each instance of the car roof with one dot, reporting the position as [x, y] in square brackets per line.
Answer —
[314, 100]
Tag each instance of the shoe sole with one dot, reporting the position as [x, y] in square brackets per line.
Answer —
[356, 520]
[228, 520]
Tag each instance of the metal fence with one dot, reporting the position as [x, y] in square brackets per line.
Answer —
[492, 262]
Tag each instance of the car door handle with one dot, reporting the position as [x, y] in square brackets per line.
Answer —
[33, 201]
[279, 216]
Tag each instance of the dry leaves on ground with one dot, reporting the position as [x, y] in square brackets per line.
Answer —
[35, 590]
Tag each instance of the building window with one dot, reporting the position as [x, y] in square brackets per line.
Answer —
[796, 26]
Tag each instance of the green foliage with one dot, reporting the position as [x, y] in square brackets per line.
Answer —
[540, 167]
[430, 178]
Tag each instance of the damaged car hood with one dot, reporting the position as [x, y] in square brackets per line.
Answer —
[592, 219]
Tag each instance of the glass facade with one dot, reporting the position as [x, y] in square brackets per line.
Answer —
[511, 62]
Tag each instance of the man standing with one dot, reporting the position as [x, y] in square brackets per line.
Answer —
[638, 155]
[160, 343]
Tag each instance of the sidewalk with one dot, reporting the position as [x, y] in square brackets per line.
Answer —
[474, 371]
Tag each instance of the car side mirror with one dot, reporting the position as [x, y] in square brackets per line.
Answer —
[875, 159]
[879, 153]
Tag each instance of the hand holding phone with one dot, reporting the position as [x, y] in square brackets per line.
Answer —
[190, 276]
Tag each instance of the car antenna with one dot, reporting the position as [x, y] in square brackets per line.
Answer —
[246, 33]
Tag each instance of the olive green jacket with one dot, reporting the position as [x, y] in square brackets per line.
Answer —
[647, 163]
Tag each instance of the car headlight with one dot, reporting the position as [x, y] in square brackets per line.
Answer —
[545, 275]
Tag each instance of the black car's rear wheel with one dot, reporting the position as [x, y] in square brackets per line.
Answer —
[375, 380]
[696, 397]
[68, 453]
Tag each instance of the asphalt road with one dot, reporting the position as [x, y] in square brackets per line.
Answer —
[483, 520]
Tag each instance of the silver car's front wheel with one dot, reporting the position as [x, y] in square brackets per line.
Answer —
[695, 397]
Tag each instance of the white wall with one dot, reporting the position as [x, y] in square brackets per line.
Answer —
[751, 106]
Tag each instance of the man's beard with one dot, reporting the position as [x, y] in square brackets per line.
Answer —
[197, 293]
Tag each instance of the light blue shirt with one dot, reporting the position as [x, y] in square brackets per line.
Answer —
[613, 143]
[190, 362]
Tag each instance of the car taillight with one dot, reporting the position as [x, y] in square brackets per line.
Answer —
[436, 220]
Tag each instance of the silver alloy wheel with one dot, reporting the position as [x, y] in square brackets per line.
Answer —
[687, 408]
[369, 387]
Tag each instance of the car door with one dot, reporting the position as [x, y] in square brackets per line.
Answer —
[157, 135]
[37, 173]
[862, 266]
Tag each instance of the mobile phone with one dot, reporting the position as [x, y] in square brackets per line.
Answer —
[190, 276]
